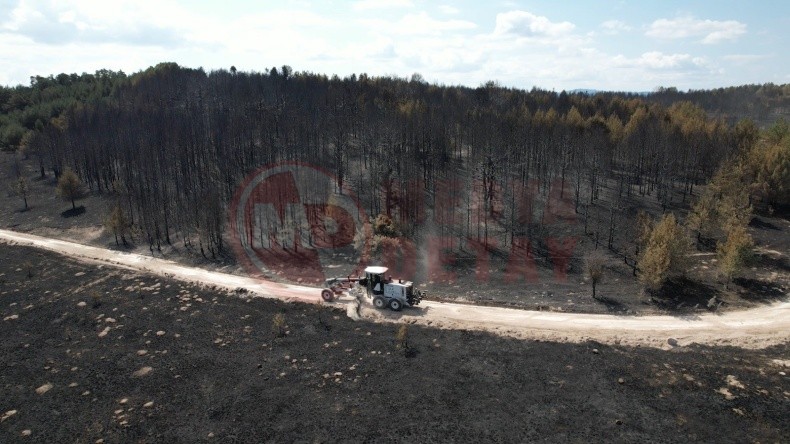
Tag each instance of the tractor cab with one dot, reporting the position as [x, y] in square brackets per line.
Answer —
[375, 280]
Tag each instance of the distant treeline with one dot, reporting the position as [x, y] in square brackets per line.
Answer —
[26, 109]
[764, 103]
[173, 143]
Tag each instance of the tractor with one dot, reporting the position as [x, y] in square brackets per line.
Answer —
[385, 291]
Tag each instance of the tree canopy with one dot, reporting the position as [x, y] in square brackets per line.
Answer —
[666, 253]
[70, 187]
[174, 143]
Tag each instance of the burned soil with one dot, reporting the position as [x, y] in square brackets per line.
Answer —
[92, 352]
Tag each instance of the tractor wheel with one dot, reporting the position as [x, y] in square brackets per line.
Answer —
[327, 295]
[395, 305]
[379, 302]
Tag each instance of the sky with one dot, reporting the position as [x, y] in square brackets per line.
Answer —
[620, 45]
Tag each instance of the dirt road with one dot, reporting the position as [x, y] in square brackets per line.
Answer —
[756, 328]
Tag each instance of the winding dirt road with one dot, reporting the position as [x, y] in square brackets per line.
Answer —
[756, 328]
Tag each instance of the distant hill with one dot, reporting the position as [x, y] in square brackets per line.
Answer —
[589, 92]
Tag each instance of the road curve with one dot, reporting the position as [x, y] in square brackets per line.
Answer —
[755, 328]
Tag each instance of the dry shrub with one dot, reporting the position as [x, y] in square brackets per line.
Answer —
[96, 299]
[278, 325]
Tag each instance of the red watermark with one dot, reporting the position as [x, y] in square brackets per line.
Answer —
[294, 220]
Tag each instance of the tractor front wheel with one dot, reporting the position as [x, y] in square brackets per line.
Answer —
[379, 302]
[395, 305]
[327, 296]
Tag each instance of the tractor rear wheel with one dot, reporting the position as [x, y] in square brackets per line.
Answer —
[395, 305]
[327, 295]
[379, 302]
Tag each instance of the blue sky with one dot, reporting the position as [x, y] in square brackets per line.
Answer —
[608, 45]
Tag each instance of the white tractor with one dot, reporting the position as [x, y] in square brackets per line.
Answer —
[385, 291]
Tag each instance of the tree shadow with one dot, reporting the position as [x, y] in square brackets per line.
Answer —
[612, 305]
[72, 212]
[706, 244]
[759, 291]
[120, 246]
[756, 222]
[782, 211]
[682, 296]
[768, 261]
[410, 352]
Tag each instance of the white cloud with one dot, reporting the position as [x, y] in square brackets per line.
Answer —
[613, 27]
[659, 60]
[286, 18]
[382, 4]
[456, 52]
[140, 23]
[745, 58]
[277, 36]
[518, 48]
[422, 21]
[417, 24]
[449, 10]
[711, 31]
[380, 49]
[30, 58]
[527, 24]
